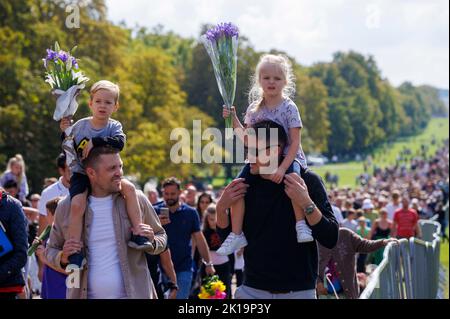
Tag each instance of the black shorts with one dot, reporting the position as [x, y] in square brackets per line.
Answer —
[78, 184]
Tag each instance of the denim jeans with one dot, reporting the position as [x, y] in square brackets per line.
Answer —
[184, 281]
[245, 292]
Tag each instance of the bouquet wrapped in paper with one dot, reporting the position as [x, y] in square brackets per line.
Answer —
[212, 288]
[42, 238]
[221, 43]
[66, 80]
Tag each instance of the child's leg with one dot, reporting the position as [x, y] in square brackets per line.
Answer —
[236, 239]
[134, 214]
[131, 202]
[237, 216]
[77, 208]
[303, 230]
[299, 215]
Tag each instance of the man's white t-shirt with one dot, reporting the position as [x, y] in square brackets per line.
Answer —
[391, 209]
[55, 190]
[105, 280]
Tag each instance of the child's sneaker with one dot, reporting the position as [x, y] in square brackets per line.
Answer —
[139, 242]
[304, 233]
[76, 261]
[231, 244]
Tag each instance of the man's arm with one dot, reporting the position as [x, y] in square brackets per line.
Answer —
[394, 229]
[203, 249]
[232, 193]
[150, 218]
[19, 240]
[117, 142]
[167, 265]
[418, 230]
[322, 221]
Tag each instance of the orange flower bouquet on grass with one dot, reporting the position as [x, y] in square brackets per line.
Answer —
[212, 288]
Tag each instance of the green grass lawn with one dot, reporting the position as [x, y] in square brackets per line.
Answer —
[387, 154]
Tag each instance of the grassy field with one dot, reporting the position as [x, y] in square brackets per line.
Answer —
[386, 154]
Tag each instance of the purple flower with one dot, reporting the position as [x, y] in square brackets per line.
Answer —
[63, 56]
[51, 55]
[222, 29]
[74, 63]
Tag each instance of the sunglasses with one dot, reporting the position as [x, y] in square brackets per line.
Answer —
[255, 151]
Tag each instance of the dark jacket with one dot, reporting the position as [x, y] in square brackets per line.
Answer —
[343, 254]
[14, 221]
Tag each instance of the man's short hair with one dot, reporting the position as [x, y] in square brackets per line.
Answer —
[171, 181]
[10, 184]
[95, 153]
[268, 125]
[61, 161]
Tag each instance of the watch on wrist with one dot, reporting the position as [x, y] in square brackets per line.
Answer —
[309, 209]
[207, 263]
[172, 286]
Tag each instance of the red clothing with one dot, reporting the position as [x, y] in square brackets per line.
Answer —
[406, 220]
[14, 289]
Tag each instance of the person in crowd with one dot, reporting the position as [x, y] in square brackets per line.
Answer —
[406, 221]
[350, 221]
[15, 170]
[341, 259]
[13, 227]
[221, 263]
[182, 225]
[53, 279]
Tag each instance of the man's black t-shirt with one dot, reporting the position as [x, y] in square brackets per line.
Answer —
[274, 260]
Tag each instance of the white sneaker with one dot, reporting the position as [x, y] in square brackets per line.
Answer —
[304, 233]
[231, 244]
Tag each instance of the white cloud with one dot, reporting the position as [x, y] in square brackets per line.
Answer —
[408, 38]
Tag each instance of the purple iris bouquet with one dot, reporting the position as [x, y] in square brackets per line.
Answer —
[221, 43]
[66, 80]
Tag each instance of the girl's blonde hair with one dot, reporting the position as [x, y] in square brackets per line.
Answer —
[17, 159]
[106, 85]
[256, 94]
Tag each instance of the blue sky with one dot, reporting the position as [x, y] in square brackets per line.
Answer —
[408, 38]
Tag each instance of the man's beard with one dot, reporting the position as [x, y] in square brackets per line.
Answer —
[172, 202]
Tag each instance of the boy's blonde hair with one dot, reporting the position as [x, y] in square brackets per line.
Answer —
[256, 94]
[106, 85]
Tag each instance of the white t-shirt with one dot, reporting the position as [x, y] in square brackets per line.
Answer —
[391, 208]
[337, 214]
[105, 280]
[350, 224]
[55, 190]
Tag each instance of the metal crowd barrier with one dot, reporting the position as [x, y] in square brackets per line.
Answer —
[409, 269]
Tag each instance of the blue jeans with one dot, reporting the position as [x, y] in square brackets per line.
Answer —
[184, 281]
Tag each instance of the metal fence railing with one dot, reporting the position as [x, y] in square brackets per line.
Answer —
[410, 269]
